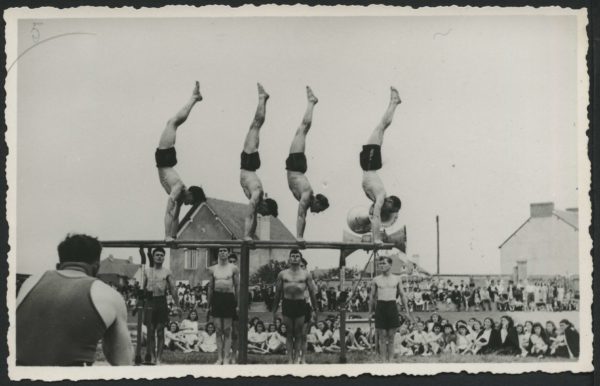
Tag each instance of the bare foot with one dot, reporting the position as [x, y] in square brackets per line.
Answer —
[219, 362]
[261, 92]
[394, 97]
[310, 96]
[196, 93]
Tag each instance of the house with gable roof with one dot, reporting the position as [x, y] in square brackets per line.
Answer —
[218, 219]
[546, 244]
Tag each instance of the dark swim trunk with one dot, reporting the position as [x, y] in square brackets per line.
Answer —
[386, 315]
[157, 311]
[307, 312]
[370, 157]
[250, 162]
[296, 162]
[165, 158]
[293, 308]
[223, 305]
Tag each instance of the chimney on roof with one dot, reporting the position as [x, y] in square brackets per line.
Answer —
[542, 209]
[575, 210]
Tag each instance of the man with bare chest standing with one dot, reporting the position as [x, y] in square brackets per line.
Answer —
[293, 282]
[384, 291]
[222, 299]
[157, 280]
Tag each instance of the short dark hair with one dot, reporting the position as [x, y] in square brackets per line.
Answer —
[322, 200]
[79, 248]
[158, 249]
[232, 255]
[387, 258]
[198, 196]
[295, 251]
[396, 203]
[272, 207]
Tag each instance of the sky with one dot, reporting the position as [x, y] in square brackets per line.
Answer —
[487, 124]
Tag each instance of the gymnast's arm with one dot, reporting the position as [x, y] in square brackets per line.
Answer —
[376, 219]
[303, 206]
[172, 213]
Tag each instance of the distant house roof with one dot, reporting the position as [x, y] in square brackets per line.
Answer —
[232, 215]
[120, 267]
[571, 217]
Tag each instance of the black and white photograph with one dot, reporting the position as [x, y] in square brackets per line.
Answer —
[274, 190]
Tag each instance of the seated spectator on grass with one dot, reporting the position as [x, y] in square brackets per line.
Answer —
[277, 339]
[550, 330]
[463, 343]
[324, 337]
[488, 339]
[449, 345]
[418, 340]
[257, 339]
[362, 338]
[189, 329]
[539, 341]
[401, 345]
[311, 337]
[174, 340]
[435, 339]
[509, 339]
[571, 337]
[208, 339]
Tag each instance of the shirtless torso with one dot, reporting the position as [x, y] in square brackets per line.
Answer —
[224, 277]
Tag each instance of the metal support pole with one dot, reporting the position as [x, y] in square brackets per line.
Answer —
[244, 306]
[343, 317]
[437, 226]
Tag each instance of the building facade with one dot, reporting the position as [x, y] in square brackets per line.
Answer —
[543, 246]
[221, 220]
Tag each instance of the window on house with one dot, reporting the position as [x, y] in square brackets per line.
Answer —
[191, 257]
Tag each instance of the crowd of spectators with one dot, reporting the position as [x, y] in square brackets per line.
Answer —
[433, 336]
[474, 337]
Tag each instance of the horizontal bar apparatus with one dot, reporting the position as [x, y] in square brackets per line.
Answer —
[238, 243]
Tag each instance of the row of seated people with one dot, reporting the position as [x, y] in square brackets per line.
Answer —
[488, 337]
[431, 337]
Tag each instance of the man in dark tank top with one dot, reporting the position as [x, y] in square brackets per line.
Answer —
[63, 314]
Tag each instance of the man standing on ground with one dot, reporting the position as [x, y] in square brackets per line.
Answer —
[222, 298]
[62, 314]
[292, 282]
[296, 168]
[384, 291]
[166, 159]
[157, 280]
[250, 163]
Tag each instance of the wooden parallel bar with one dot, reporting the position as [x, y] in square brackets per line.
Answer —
[238, 243]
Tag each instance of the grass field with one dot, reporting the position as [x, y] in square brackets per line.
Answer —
[170, 357]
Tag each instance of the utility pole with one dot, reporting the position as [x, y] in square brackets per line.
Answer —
[437, 225]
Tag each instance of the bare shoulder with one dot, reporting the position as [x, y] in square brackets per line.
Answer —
[103, 292]
[235, 269]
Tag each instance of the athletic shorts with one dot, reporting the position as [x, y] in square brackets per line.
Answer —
[250, 162]
[307, 312]
[296, 162]
[165, 158]
[386, 315]
[293, 308]
[223, 305]
[157, 311]
[370, 157]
